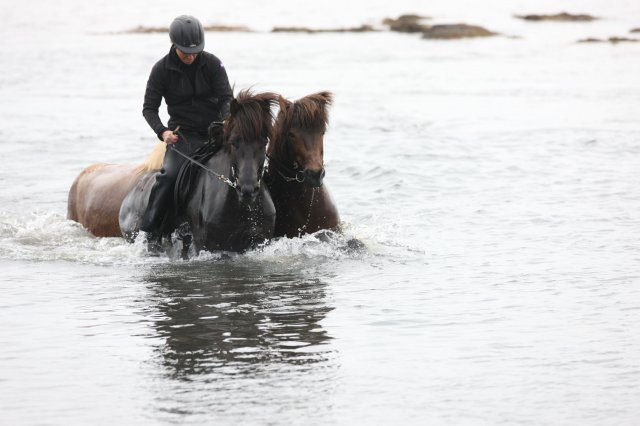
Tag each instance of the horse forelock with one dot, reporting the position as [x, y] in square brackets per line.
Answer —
[251, 117]
[310, 113]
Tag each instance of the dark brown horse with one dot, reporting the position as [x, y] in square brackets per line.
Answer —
[296, 167]
[224, 203]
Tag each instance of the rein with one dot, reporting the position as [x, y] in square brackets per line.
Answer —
[303, 228]
[219, 176]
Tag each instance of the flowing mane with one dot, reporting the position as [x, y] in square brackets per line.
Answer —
[251, 116]
[310, 113]
[251, 112]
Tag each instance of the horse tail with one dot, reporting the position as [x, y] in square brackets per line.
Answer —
[155, 158]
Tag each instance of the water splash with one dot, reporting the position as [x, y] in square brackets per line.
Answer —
[49, 236]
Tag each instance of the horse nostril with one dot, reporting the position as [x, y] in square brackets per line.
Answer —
[249, 193]
[314, 177]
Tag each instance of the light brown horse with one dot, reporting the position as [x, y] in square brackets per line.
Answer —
[296, 167]
[96, 194]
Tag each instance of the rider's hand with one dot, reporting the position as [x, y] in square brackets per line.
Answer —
[169, 137]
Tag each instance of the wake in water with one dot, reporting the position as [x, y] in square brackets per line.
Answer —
[49, 236]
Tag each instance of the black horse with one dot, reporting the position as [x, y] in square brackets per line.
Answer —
[224, 203]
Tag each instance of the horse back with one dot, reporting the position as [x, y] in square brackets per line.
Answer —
[96, 195]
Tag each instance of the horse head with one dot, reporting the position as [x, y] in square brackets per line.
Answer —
[245, 136]
[299, 135]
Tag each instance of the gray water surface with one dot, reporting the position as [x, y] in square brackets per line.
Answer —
[493, 184]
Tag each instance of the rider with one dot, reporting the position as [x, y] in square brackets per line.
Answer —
[196, 89]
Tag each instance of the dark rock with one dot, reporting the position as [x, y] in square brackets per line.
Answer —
[453, 31]
[612, 40]
[635, 30]
[615, 40]
[360, 29]
[591, 40]
[407, 24]
[558, 17]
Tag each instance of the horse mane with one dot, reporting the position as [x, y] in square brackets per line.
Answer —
[310, 113]
[250, 115]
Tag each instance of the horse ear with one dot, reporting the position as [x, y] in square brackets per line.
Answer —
[234, 106]
[327, 97]
[283, 103]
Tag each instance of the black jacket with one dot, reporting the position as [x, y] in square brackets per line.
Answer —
[193, 102]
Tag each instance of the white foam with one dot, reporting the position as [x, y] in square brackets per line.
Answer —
[49, 236]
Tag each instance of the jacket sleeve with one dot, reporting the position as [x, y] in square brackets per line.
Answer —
[222, 89]
[152, 100]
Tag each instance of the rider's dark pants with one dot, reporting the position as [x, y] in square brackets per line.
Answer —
[161, 197]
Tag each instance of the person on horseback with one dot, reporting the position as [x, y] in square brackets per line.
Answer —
[195, 87]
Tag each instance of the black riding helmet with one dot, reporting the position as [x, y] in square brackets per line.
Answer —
[187, 34]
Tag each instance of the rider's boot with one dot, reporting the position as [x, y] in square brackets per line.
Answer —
[160, 198]
[153, 218]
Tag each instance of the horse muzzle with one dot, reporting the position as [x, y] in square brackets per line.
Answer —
[248, 193]
[314, 178]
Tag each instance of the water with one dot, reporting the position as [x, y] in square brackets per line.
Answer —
[494, 184]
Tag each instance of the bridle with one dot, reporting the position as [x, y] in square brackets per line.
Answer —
[298, 176]
[233, 182]
[287, 173]
[219, 176]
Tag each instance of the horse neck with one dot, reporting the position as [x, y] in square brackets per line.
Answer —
[277, 148]
[220, 163]
[200, 178]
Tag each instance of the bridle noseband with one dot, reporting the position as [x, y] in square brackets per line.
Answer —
[298, 175]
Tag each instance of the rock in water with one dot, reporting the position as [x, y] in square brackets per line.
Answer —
[453, 31]
[559, 17]
[360, 29]
[407, 24]
[612, 40]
